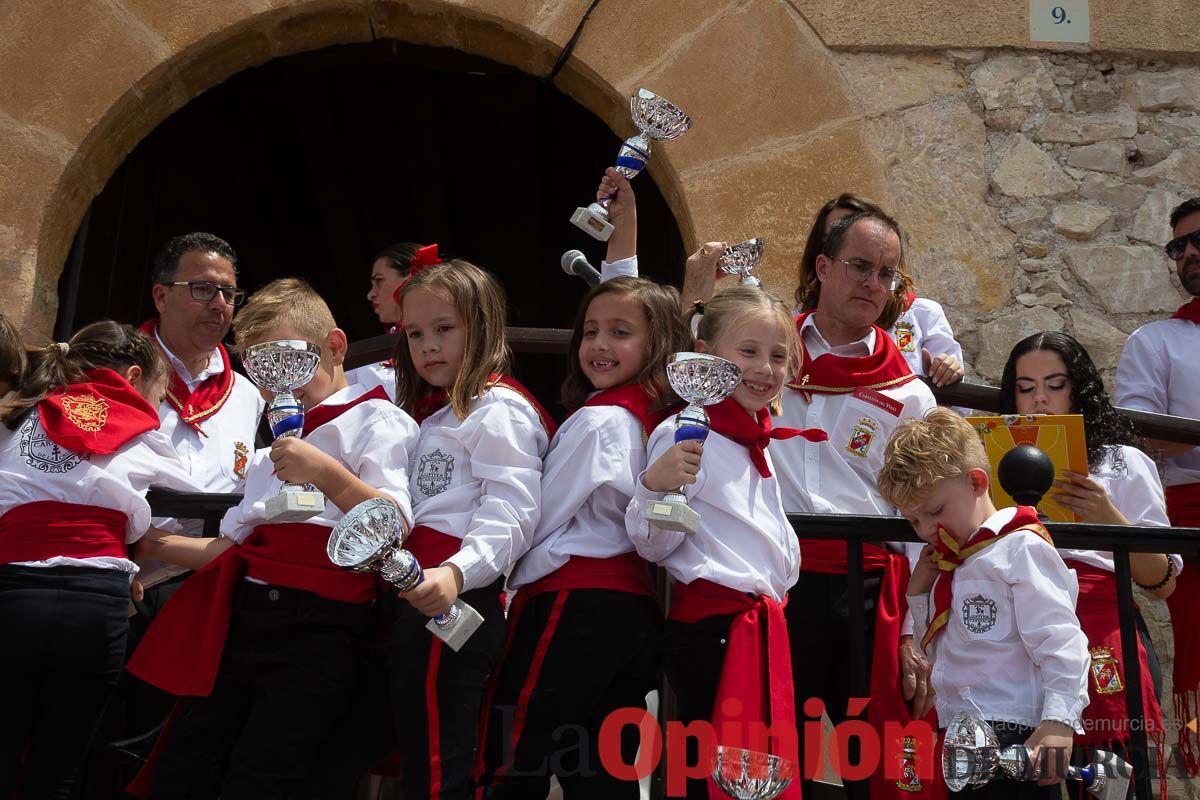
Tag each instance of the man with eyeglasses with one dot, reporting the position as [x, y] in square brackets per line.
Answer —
[857, 387]
[1159, 371]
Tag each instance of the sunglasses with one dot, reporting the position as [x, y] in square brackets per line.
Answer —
[1176, 247]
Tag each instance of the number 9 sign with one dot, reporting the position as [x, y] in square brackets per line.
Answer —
[1059, 21]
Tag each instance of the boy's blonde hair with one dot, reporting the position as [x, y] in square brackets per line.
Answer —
[729, 308]
[922, 452]
[480, 302]
[290, 302]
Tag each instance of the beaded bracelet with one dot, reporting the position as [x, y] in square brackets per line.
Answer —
[1163, 582]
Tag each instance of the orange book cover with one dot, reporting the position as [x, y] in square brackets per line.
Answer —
[1060, 436]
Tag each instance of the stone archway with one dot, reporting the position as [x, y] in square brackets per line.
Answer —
[776, 132]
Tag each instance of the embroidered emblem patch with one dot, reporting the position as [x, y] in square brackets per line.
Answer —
[905, 342]
[979, 614]
[43, 454]
[861, 437]
[434, 472]
[1106, 673]
[241, 454]
[85, 411]
[908, 780]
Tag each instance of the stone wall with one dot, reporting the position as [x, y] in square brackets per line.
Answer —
[1035, 189]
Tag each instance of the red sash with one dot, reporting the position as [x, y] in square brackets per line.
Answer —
[885, 368]
[756, 677]
[754, 433]
[431, 548]
[1183, 507]
[319, 415]
[97, 417]
[627, 572]
[44, 529]
[1189, 311]
[1104, 719]
[950, 557]
[181, 651]
[902, 774]
[195, 407]
[828, 557]
[634, 399]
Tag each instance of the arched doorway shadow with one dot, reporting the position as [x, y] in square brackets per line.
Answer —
[312, 162]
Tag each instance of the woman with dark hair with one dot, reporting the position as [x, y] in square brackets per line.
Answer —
[390, 269]
[1051, 373]
[918, 325]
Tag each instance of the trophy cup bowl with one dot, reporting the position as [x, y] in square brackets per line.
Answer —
[749, 775]
[281, 366]
[366, 539]
[702, 380]
[657, 120]
[971, 756]
[742, 258]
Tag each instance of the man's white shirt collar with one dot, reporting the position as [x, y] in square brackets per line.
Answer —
[817, 345]
[215, 366]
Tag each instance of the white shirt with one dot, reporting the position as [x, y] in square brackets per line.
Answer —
[819, 476]
[372, 375]
[217, 458]
[1012, 640]
[1159, 371]
[924, 325]
[1131, 480]
[32, 469]
[372, 440]
[744, 541]
[590, 472]
[480, 480]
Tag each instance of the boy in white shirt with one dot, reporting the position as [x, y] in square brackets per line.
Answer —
[992, 601]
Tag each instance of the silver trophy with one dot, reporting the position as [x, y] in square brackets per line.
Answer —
[280, 367]
[742, 258]
[366, 538]
[702, 380]
[658, 120]
[971, 756]
[749, 775]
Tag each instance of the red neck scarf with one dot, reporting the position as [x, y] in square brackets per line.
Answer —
[950, 557]
[425, 406]
[319, 415]
[634, 399]
[195, 407]
[754, 433]
[885, 368]
[97, 417]
[909, 299]
[1189, 311]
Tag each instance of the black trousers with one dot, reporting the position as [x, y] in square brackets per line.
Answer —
[64, 631]
[818, 627]
[291, 663]
[421, 699]
[693, 654]
[1005, 788]
[576, 656]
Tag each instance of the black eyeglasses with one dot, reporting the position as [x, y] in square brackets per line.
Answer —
[205, 291]
[1176, 247]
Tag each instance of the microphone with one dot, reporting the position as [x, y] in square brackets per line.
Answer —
[576, 263]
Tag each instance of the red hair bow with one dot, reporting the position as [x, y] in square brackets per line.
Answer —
[424, 258]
